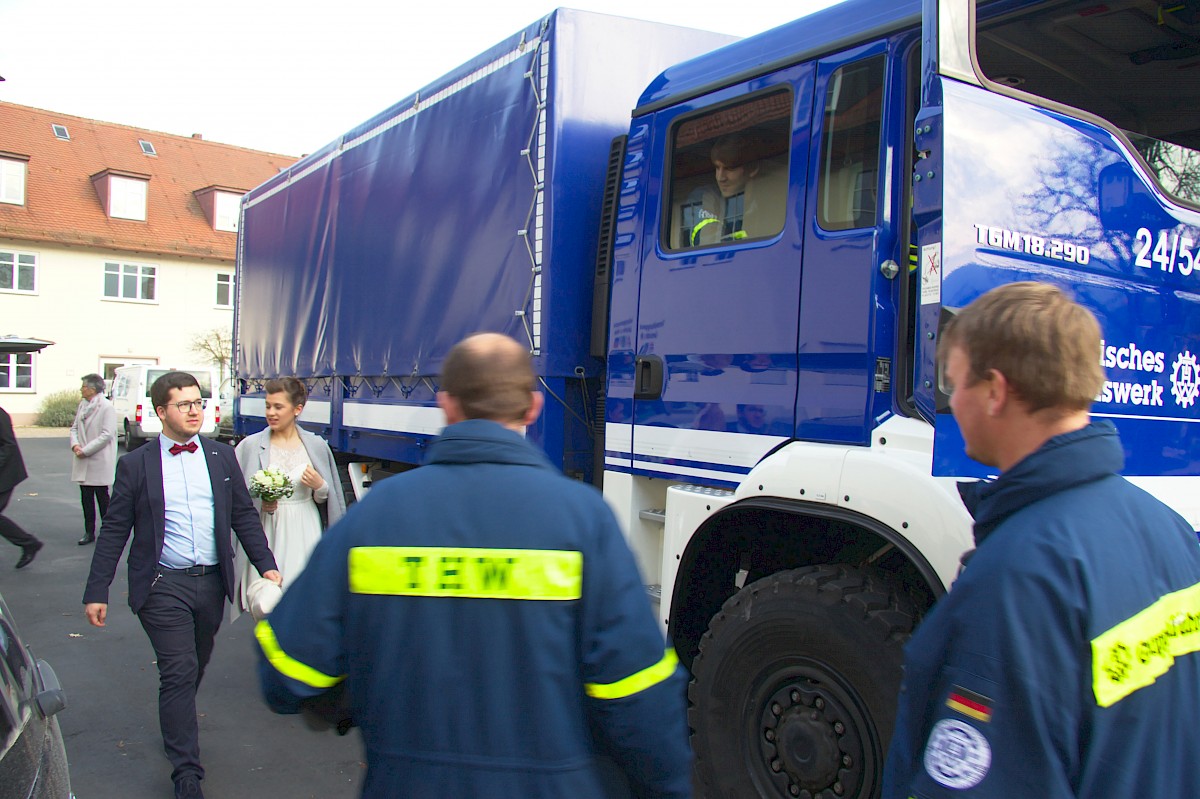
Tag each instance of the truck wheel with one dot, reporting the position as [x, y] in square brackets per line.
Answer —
[132, 442]
[795, 686]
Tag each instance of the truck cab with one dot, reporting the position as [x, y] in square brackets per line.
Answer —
[776, 441]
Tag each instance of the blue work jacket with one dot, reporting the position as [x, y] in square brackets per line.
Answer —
[491, 629]
[1063, 662]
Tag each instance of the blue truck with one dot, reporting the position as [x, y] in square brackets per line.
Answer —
[730, 261]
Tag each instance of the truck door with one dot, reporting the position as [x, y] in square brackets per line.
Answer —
[846, 312]
[1033, 171]
[718, 304]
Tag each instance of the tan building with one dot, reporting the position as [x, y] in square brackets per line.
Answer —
[116, 243]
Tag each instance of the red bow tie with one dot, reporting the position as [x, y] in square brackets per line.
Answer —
[178, 448]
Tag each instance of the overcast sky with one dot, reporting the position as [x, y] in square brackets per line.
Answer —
[285, 77]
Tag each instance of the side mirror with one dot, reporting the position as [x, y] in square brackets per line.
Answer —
[50, 699]
[1127, 203]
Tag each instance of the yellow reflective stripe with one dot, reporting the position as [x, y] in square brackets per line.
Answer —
[535, 574]
[703, 223]
[285, 664]
[1142, 648]
[635, 683]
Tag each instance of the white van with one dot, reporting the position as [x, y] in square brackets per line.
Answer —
[135, 412]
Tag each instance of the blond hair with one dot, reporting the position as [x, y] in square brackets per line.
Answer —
[1045, 344]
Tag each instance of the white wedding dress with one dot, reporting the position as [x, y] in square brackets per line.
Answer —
[295, 526]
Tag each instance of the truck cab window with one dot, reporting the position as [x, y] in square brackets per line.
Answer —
[850, 146]
[1124, 61]
[729, 174]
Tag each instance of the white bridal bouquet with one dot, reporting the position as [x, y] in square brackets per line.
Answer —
[271, 484]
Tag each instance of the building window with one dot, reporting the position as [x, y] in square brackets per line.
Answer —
[147, 147]
[130, 282]
[18, 272]
[127, 198]
[60, 132]
[225, 284]
[16, 371]
[228, 208]
[222, 206]
[12, 181]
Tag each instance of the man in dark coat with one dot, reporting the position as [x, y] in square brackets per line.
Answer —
[1065, 660]
[12, 472]
[181, 498]
[485, 618]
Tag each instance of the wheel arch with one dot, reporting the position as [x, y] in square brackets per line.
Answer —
[763, 535]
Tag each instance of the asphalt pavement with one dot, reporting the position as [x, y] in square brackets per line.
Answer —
[111, 681]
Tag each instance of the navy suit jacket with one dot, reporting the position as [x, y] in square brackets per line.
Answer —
[12, 468]
[138, 503]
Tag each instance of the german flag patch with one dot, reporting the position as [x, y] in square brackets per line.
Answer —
[969, 703]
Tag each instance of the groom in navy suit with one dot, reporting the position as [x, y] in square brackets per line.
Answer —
[181, 498]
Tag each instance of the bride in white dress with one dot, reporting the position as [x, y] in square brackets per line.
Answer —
[293, 525]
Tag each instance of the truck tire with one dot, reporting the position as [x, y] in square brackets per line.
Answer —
[795, 685]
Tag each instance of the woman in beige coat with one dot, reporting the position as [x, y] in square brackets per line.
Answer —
[94, 443]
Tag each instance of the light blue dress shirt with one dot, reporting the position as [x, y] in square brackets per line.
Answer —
[187, 489]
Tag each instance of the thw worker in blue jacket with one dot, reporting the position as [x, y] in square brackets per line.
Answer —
[1064, 663]
[484, 618]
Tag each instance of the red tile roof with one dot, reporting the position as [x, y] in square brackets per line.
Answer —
[61, 204]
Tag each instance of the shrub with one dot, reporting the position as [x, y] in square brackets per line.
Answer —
[58, 409]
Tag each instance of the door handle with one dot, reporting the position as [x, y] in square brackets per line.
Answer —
[648, 377]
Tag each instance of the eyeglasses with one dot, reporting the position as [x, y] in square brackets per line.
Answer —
[187, 407]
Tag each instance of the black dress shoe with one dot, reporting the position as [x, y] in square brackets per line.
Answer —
[88, 538]
[188, 788]
[28, 554]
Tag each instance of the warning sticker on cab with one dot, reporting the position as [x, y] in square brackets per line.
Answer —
[931, 273]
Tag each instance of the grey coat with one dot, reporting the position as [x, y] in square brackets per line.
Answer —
[252, 455]
[94, 429]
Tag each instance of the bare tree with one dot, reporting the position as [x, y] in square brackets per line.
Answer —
[1177, 167]
[215, 346]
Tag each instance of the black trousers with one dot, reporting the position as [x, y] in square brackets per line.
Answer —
[91, 496]
[181, 616]
[10, 529]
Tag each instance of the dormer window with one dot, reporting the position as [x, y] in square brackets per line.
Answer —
[222, 206]
[61, 132]
[12, 178]
[147, 147]
[127, 198]
[228, 208]
[123, 194]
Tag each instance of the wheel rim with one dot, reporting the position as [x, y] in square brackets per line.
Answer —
[814, 739]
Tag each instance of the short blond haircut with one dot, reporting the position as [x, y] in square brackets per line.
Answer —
[491, 376]
[1045, 344]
